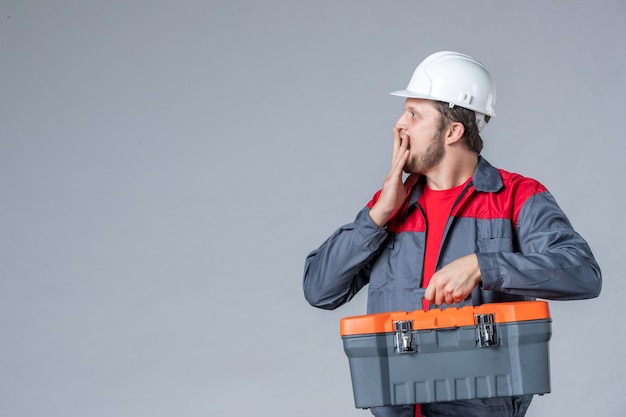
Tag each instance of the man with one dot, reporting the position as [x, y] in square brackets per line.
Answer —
[457, 231]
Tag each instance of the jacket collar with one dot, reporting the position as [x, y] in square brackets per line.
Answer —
[486, 177]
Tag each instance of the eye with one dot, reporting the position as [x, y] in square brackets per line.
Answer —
[413, 115]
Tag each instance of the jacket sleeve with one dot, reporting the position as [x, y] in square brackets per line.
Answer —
[554, 262]
[339, 268]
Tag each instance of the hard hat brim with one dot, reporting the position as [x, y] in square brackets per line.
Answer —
[413, 94]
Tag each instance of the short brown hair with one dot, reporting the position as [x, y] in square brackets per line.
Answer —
[467, 118]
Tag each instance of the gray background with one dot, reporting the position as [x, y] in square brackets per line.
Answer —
[165, 167]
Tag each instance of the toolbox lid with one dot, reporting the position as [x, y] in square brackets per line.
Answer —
[446, 318]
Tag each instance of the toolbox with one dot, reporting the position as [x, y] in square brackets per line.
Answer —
[492, 350]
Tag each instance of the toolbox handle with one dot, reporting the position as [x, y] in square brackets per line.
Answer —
[447, 318]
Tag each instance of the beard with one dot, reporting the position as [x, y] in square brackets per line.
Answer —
[421, 163]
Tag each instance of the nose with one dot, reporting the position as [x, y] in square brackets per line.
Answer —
[401, 123]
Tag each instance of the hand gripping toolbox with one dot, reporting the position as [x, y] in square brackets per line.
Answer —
[492, 350]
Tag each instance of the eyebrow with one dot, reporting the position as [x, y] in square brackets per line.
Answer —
[413, 109]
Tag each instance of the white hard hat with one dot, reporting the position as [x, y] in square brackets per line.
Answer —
[453, 78]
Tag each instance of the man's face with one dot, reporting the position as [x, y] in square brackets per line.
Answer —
[419, 124]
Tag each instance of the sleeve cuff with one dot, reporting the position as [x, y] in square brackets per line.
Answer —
[372, 235]
[489, 271]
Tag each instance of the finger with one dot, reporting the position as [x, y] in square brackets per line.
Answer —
[459, 296]
[398, 166]
[445, 295]
[429, 294]
[396, 144]
[451, 294]
[440, 297]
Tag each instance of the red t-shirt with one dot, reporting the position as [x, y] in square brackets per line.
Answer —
[437, 205]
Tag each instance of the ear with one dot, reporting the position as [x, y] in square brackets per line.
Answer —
[455, 133]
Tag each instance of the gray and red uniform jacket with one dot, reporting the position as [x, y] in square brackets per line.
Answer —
[526, 249]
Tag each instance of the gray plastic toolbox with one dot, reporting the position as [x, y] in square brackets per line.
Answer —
[487, 351]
